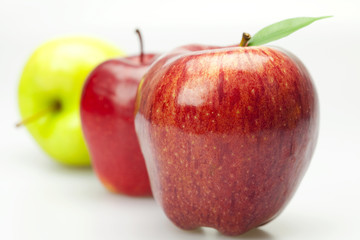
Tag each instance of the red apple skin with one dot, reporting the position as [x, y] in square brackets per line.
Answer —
[227, 134]
[107, 117]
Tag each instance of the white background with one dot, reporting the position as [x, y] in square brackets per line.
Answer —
[39, 199]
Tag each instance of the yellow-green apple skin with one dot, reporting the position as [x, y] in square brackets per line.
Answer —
[54, 76]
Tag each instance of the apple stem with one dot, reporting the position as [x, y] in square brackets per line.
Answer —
[141, 46]
[55, 106]
[245, 39]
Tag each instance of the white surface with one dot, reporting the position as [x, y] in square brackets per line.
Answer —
[40, 199]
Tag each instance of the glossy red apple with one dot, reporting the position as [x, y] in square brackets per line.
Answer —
[227, 133]
[107, 116]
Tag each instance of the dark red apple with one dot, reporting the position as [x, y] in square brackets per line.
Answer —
[227, 133]
[107, 116]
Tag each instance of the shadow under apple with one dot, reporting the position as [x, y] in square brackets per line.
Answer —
[255, 233]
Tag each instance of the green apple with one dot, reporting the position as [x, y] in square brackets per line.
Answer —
[49, 94]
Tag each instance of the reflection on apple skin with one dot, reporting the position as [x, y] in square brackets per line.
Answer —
[227, 134]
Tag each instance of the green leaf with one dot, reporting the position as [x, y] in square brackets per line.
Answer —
[281, 29]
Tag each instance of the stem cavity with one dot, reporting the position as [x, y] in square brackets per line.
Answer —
[54, 107]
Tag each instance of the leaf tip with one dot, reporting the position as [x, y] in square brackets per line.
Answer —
[323, 17]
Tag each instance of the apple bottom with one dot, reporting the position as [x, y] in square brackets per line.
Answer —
[116, 155]
[122, 183]
[122, 172]
[231, 182]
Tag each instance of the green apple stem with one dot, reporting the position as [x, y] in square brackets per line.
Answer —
[55, 106]
[245, 39]
[141, 46]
